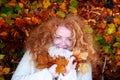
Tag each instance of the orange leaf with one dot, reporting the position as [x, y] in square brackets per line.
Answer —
[118, 51]
[117, 34]
[36, 20]
[117, 20]
[108, 38]
[3, 34]
[60, 69]
[61, 61]
[102, 24]
[52, 14]
[46, 3]
[63, 6]
[42, 59]
[6, 70]
[118, 63]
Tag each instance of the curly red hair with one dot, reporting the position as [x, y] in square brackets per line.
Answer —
[41, 38]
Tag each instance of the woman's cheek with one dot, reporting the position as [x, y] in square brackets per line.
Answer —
[56, 42]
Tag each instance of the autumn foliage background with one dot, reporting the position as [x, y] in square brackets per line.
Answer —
[19, 17]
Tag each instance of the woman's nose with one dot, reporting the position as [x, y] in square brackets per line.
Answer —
[63, 44]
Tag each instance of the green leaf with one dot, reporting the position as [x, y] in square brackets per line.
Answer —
[117, 39]
[119, 28]
[113, 57]
[56, 0]
[9, 13]
[98, 37]
[60, 0]
[107, 49]
[2, 45]
[17, 7]
[4, 1]
[61, 14]
[53, 0]
[116, 44]
[2, 56]
[6, 10]
[15, 64]
[34, 3]
[111, 29]
[101, 40]
[73, 9]
[10, 22]
[88, 29]
[14, 15]
[73, 3]
[3, 15]
[2, 78]
[31, 11]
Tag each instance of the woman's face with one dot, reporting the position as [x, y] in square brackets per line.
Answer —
[63, 38]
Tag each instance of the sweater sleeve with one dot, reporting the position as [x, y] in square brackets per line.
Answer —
[85, 76]
[70, 76]
[26, 70]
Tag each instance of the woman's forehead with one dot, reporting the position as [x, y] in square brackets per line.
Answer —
[62, 30]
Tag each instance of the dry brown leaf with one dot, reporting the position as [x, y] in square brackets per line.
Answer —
[60, 69]
[61, 62]
[4, 34]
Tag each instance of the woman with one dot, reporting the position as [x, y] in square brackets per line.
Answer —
[60, 49]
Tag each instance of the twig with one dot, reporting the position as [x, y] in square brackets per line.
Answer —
[103, 70]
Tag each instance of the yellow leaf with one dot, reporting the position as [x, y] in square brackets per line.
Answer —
[84, 55]
[118, 51]
[60, 14]
[35, 20]
[73, 10]
[1, 56]
[2, 78]
[27, 33]
[52, 14]
[21, 5]
[117, 20]
[88, 29]
[6, 70]
[46, 3]
[83, 68]
[63, 6]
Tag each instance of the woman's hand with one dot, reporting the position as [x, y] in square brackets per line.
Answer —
[69, 76]
[70, 65]
[70, 71]
[52, 70]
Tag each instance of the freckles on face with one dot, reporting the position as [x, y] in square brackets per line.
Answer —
[62, 38]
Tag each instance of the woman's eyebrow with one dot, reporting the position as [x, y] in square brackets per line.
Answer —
[56, 34]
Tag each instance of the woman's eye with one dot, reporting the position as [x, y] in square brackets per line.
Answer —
[69, 39]
[57, 37]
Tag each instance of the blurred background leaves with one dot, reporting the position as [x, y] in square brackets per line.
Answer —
[18, 18]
